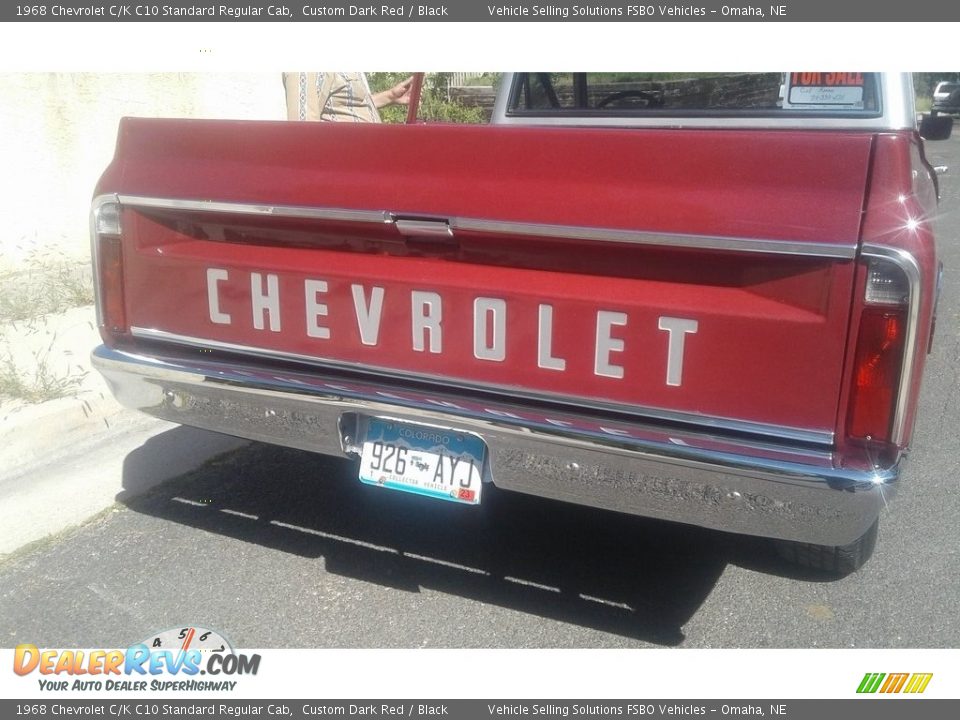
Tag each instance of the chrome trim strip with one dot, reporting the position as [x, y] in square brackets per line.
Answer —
[676, 476]
[445, 226]
[906, 262]
[237, 208]
[783, 433]
[641, 237]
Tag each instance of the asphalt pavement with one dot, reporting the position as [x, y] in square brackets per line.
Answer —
[280, 548]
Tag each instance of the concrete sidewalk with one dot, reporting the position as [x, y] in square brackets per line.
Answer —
[63, 461]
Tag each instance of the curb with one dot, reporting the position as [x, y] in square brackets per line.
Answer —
[64, 461]
[32, 435]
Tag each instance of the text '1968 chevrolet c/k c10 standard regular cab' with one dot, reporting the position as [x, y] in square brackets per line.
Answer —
[706, 299]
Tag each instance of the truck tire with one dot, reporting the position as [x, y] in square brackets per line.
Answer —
[836, 560]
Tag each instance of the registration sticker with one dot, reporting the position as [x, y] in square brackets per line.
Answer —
[822, 90]
[422, 459]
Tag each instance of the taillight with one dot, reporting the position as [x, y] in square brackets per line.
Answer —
[878, 362]
[108, 267]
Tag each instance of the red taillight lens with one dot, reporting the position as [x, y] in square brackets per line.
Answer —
[114, 317]
[876, 374]
[108, 259]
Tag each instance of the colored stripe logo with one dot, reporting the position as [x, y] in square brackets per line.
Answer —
[894, 683]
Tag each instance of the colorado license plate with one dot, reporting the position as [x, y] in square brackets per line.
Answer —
[423, 460]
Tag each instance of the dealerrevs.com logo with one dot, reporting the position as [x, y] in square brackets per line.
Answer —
[171, 660]
[912, 683]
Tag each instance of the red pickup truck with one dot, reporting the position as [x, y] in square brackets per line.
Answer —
[703, 298]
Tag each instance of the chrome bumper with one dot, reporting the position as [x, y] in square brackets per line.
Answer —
[749, 486]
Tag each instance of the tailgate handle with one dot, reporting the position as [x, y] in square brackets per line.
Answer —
[424, 229]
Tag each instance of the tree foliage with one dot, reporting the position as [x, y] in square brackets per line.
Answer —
[434, 103]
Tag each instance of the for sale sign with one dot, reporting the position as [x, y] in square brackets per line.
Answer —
[824, 90]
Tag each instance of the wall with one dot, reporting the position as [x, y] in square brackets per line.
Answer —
[57, 134]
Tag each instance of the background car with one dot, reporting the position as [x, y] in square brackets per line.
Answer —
[946, 97]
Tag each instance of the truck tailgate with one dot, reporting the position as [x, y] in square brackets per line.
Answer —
[694, 276]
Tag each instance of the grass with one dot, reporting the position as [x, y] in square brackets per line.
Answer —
[46, 285]
[41, 383]
[44, 288]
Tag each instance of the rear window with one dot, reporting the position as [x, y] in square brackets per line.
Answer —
[737, 94]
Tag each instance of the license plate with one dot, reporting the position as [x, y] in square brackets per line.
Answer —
[424, 460]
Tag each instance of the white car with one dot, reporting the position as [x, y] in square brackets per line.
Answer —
[946, 97]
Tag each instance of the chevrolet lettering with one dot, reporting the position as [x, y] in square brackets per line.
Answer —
[486, 316]
[701, 299]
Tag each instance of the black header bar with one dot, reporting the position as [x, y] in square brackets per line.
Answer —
[778, 11]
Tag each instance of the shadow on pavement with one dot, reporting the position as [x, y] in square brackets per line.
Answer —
[615, 573]
[169, 454]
